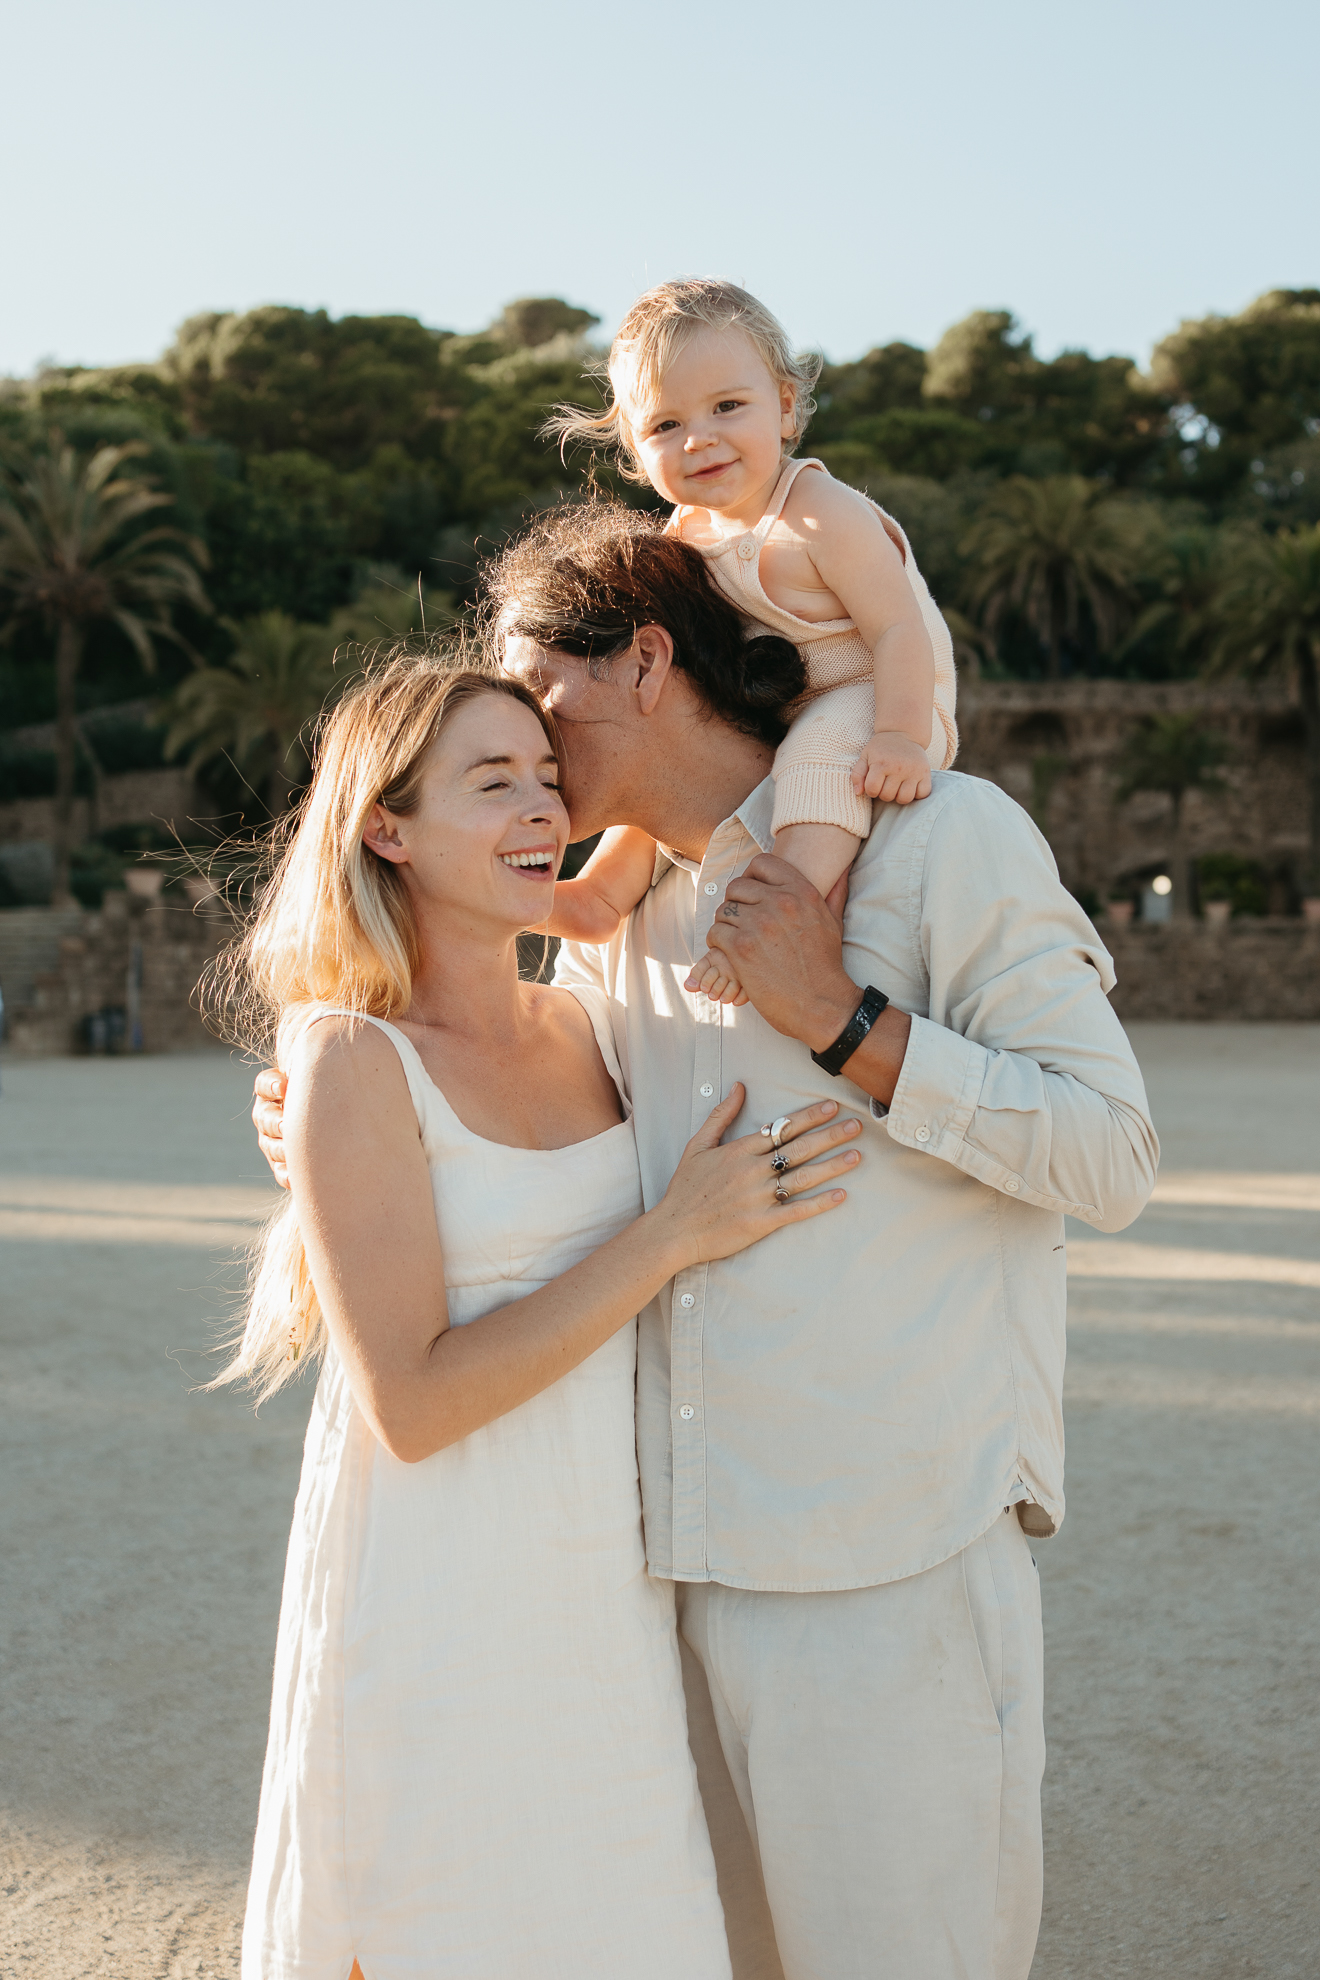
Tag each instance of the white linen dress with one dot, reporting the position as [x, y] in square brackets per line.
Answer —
[478, 1765]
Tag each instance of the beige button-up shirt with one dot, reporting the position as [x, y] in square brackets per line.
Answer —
[855, 1399]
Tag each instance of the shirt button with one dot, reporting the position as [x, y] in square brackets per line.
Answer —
[1013, 1185]
[923, 1134]
[710, 888]
[707, 1090]
[687, 1300]
[687, 1412]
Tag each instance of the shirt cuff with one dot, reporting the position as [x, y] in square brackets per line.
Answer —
[938, 1087]
[938, 1092]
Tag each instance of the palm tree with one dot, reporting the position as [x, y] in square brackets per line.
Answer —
[1184, 569]
[1043, 548]
[1267, 619]
[259, 707]
[69, 555]
[1173, 754]
[386, 613]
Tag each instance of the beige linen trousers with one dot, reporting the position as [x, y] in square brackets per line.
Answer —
[870, 1762]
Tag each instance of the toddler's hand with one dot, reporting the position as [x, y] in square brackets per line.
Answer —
[713, 975]
[892, 768]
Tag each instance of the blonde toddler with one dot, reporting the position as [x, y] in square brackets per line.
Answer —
[709, 401]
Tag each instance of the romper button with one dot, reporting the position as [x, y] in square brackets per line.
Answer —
[687, 1299]
[923, 1134]
[687, 1412]
[707, 1090]
[710, 887]
[747, 548]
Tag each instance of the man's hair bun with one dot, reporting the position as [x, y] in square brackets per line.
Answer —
[774, 672]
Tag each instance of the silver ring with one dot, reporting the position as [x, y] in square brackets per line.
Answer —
[781, 1194]
[776, 1128]
[779, 1161]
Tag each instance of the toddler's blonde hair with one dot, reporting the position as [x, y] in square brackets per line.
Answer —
[651, 336]
[335, 925]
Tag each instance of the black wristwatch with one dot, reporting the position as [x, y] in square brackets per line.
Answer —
[836, 1058]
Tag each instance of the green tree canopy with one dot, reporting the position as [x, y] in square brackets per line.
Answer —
[1247, 385]
[281, 380]
[260, 708]
[73, 550]
[1047, 549]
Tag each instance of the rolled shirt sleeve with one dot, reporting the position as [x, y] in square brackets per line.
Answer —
[1021, 1075]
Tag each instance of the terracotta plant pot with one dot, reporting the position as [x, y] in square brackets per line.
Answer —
[1217, 913]
[1119, 912]
[199, 889]
[1311, 909]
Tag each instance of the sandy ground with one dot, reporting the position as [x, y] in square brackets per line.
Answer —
[144, 1529]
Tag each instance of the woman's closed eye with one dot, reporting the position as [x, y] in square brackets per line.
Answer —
[506, 784]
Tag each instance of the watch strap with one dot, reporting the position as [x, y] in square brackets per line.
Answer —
[838, 1054]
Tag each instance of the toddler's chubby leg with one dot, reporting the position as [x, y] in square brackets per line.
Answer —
[614, 879]
[821, 854]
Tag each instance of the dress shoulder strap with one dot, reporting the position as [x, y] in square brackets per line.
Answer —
[420, 1083]
[596, 1004]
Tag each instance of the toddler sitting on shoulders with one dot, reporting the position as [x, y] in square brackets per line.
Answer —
[709, 403]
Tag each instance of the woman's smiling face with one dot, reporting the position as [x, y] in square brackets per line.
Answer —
[714, 435]
[490, 828]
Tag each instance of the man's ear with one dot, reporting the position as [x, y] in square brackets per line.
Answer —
[381, 835]
[653, 657]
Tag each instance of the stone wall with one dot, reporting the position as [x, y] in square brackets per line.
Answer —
[140, 960]
[165, 797]
[1261, 969]
[1056, 746]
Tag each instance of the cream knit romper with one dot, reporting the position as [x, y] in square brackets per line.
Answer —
[833, 720]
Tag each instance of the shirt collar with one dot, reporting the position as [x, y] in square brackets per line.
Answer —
[754, 816]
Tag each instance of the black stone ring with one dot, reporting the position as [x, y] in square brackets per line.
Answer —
[779, 1162]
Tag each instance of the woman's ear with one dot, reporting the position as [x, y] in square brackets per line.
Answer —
[653, 656]
[381, 835]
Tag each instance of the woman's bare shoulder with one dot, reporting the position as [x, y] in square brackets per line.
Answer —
[346, 1065]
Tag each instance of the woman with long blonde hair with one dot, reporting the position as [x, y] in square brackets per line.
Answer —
[478, 1764]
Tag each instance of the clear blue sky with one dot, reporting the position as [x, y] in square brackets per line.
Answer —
[871, 170]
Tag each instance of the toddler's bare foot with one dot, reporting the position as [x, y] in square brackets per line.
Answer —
[713, 975]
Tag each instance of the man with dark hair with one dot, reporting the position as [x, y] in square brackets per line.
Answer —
[840, 1449]
[843, 1449]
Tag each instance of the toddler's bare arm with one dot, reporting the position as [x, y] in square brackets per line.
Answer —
[614, 879]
